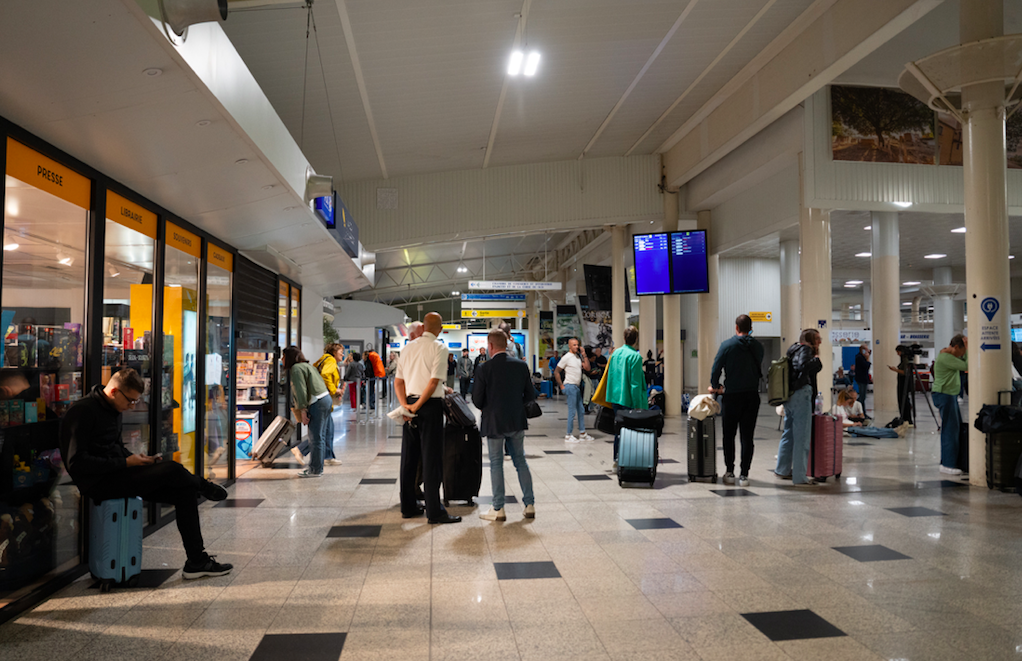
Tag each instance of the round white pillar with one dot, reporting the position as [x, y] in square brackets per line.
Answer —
[791, 304]
[532, 343]
[814, 232]
[619, 319]
[708, 310]
[673, 348]
[886, 308]
[943, 310]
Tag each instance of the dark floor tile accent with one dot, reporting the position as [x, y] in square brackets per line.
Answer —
[668, 461]
[354, 531]
[398, 436]
[290, 465]
[870, 553]
[941, 484]
[488, 500]
[300, 646]
[857, 443]
[565, 419]
[379, 480]
[792, 625]
[507, 571]
[591, 478]
[149, 578]
[915, 511]
[720, 448]
[538, 436]
[653, 524]
[240, 502]
[388, 454]
[557, 451]
[729, 493]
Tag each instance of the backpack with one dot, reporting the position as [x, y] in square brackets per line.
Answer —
[779, 381]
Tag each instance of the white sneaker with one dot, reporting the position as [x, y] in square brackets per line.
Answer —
[215, 457]
[530, 511]
[494, 515]
[299, 456]
[570, 438]
[585, 437]
[332, 462]
[950, 471]
[743, 480]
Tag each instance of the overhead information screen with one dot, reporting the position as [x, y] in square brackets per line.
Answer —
[652, 264]
[688, 262]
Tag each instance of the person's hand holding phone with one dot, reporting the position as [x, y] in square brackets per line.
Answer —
[139, 460]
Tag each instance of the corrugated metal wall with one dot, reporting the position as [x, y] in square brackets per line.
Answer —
[526, 198]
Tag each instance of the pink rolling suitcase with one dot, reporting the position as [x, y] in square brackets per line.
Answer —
[826, 449]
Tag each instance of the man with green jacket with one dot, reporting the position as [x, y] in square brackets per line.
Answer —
[947, 385]
[626, 382]
[740, 358]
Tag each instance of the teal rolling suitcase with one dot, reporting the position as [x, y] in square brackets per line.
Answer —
[637, 457]
[115, 541]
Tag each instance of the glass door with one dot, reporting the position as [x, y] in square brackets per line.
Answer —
[219, 423]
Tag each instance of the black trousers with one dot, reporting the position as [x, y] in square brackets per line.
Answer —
[465, 380]
[906, 392]
[422, 439]
[739, 411]
[165, 482]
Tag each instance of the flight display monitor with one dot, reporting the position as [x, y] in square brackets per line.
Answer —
[652, 264]
[688, 262]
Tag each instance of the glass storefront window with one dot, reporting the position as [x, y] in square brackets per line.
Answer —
[296, 338]
[283, 379]
[219, 420]
[180, 339]
[42, 312]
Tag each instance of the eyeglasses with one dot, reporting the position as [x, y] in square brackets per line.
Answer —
[129, 401]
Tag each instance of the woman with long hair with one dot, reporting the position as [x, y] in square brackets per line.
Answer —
[310, 402]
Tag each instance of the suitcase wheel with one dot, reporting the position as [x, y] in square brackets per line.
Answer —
[133, 581]
[714, 478]
[620, 482]
[838, 476]
[104, 586]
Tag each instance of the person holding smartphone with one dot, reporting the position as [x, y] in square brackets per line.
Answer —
[569, 380]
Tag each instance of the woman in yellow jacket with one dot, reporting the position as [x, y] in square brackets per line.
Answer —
[327, 366]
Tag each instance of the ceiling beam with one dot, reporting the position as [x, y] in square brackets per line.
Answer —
[523, 19]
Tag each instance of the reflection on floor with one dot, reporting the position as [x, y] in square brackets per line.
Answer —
[891, 561]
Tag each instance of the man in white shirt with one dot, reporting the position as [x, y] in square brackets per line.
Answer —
[573, 363]
[421, 370]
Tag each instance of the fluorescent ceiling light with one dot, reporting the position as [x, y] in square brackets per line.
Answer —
[455, 293]
[958, 230]
[863, 254]
[853, 282]
[911, 283]
[11, 246]
[514, 67]
[531, 63]
[1009, 256]
[868, 227]
[848, 286]
[903, 205]
[907, 303]
[936, 255]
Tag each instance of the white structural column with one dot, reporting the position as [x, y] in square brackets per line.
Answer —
[708, 309]
[886, 307]
[987, 280]
[673, 348]
[619, 318]
[532, 350]
[943, 309]
[791, 303]
[867, 301]
[814, 232]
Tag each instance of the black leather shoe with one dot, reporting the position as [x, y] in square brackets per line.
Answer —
[418, 512]
[213, 491]
[446, 518]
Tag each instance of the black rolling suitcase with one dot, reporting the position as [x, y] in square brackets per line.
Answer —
[1002, 425]
[273, 441]
[463, 463]
[963, 448]
[640, 419]
[702, 450]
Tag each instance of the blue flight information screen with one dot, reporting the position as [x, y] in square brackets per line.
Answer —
[652, 264]
[688, 262]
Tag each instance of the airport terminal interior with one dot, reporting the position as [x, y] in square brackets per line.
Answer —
[192, 186]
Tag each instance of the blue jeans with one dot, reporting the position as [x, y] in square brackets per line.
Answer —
[950, 425]
[574, 394]
[515, 444]
[793, 451]
[305, 447]
[319, 417]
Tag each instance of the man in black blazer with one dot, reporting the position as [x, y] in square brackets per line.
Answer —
[502, 387]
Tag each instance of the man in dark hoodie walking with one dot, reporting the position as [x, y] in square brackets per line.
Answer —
[741, 359]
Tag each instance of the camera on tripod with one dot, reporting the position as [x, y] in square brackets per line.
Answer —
[913, 350]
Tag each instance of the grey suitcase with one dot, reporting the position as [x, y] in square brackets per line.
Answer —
[273, 441]
[637, 456]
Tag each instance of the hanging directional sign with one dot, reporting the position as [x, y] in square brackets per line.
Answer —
[493, 297]
[514, 285]
[491, 314]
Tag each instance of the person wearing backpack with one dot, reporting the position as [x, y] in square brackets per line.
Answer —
[793, 450]
[740, 358]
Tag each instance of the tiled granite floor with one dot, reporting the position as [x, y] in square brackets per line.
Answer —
[328, 569]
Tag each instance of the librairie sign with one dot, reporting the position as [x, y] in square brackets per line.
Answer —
[514, 285]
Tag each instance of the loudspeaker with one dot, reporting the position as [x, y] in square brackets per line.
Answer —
[318, 185]
[179, 14]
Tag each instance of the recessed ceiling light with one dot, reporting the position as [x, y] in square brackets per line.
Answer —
[907, 303]
[153, 72]
[868, 227]
[1011, 256]
[863, 254]
[853, 282]
[268, 187]
[241, 161]
[936, 255]
[455, 293]
[531, 64]
[903, 205]
[514, 66]
[11, 246]
[848, 286]
[911, 283]
[202, 123]
[958, 230]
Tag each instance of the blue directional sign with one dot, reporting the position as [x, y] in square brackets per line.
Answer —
[989, 347]
[990, 306]
[493, 297]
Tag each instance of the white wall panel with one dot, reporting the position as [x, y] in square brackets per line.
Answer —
[767, 207]
[749, 285]
[834, 184]
[516, 199]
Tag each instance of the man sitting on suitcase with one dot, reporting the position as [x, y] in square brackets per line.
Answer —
[626, 382]
[103, 469]
[502, 387]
